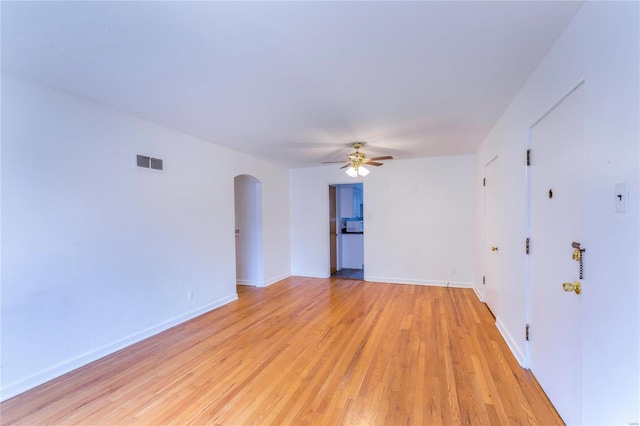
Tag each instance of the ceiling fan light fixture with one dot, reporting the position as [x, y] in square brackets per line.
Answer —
[352, 172]
[355, 172]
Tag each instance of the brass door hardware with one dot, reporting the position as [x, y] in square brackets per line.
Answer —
[576, 287]
[577, 256]
[494, 248]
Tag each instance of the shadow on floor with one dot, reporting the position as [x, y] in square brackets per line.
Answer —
[349, 274]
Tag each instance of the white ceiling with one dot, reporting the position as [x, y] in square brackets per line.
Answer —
[292, 82]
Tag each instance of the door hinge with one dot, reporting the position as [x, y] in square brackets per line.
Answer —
[526, 246]
[526, 332]
[484, 181]
[484, 281]
[528, 157]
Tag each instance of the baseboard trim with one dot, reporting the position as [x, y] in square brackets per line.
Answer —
[311, 275]
[480, 296]
[276, 279]
[58, 370]
[511, 343]
[433, 283]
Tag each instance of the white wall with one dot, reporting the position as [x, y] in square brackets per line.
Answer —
[98, 254]
[418, 221]
[600, 45]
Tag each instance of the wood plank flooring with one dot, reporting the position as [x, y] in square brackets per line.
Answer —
[306, 351]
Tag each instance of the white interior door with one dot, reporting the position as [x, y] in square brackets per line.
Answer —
[491, 236]
[556, 185]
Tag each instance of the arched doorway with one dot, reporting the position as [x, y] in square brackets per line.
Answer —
[248, 230]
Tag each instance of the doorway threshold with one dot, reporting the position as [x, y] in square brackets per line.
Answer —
[349, 274]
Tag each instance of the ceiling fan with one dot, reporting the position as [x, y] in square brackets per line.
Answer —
[356, 161]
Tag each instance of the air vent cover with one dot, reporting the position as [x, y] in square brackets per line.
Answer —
[156, 164]
[147, 162]
[143, 161]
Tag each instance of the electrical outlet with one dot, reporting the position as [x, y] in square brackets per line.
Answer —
[189, 295]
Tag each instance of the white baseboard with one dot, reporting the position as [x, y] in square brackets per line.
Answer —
[274, 280]
[480, 296]
[16, 388]
[311, 274]
[511, 343]
[433, 283]
[266, 283]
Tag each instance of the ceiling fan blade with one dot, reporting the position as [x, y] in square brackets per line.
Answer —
[345, 166]
[386, 157]
[373, 163]
[332, 162]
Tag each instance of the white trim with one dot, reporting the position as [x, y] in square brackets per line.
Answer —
[266, 283]
[64, 367]
[433, 283]
[275, 279]
[527, 257]
[475, 289]
[311, 274]
[484, 226]
[512, 343]
[557, 104]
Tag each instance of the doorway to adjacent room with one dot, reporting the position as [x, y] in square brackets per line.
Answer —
[248, 231]
[346, 231]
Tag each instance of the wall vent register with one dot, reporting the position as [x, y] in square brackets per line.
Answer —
[149, 162]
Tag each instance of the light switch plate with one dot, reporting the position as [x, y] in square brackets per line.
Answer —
[622, 197]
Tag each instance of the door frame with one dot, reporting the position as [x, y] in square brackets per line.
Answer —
[250, 234]
[576, 86]
[484, 230]
[334, 245]
[338, 187]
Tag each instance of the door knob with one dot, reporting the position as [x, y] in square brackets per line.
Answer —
[576, 287]
[494, 248]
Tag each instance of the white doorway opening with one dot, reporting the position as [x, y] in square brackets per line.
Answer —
[346, 229]
[248, 231]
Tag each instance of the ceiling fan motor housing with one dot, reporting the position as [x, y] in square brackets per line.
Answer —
[357, 159]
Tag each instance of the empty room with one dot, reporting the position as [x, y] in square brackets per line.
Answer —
[320, 213]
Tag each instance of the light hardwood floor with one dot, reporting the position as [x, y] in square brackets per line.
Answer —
[306, 352]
